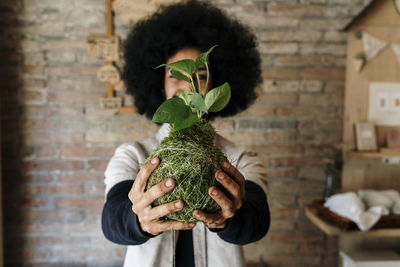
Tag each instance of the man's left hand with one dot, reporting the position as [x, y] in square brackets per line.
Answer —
[233, 181]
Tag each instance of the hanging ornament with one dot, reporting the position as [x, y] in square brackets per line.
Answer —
[396, 50]
[359, 61]
[372, 45]
[108, 73]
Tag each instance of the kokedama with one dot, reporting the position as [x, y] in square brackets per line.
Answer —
[189, 154]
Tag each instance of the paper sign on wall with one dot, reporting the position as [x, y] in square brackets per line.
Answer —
[384, 103]
[103, 47]
[108, 73]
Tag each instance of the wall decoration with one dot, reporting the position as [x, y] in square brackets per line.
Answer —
[103, 47]
[366, 136]
[393, 139]
[397, 5]
[359, 61]
[112, 104]
[396, 50]
[372, 45]
[384, 103]
[109, 73]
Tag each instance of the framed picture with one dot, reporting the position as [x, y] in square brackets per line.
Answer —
[366, 136]
[393, 138]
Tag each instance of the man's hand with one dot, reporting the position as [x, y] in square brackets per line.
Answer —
[149, 217]
[233, 181]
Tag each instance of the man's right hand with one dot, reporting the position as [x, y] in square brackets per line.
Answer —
[149, 217]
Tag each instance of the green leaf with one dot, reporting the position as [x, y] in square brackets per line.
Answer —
[180, 76]
[169, 110]
[185, 119]
[187, 66]
[175, 111]
[218, 98]
[198, 103]
[202, 59]
[186, 96]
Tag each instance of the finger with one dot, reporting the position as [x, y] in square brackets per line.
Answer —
[233, 188]
[227, 207]
[212, 220]
[234, 173]
[144, 173]
[157, 191]
[162, 226]
[165, 209]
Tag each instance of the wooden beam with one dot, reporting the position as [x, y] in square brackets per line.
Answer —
[110, 32]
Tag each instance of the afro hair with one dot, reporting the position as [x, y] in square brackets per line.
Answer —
[193, 24]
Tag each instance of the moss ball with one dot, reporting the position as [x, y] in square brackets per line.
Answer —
[191, 158]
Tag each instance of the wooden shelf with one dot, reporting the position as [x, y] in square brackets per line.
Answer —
[333, 230]
[378, 155]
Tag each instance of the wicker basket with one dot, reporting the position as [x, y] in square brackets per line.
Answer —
[387, 221]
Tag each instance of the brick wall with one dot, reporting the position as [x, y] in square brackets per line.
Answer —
[56, 140]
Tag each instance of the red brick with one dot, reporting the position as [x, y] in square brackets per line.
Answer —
[294, 10]
[97, 165]
[282, 98]
[298, 162]
[51, 112]
[244, 138]
[38, 178]
[72, 71]
[53, 138]
[285, 213]
[280, 173]
[81, 177]
[33, 69]
[54, 215]
[37, 124]
[93, 212]
[280, 74]
[74, 98]
[328, 74]
[281, 200]
[32, 227]
[79, 202]
[282, 136]
[84, 226]
[277, 149]
[33, 97]
[65, 45]
[52, 165]
[54, 189]
[303, 61]
[297, 237]
[87, 151]
[38, 241]
[40, 152]
[312, 172]
[256, 110]
[224, 124]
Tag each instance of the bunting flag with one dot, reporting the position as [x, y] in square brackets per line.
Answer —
[372, 45]
[396, 50]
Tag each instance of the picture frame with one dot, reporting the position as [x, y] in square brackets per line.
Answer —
[366, 140]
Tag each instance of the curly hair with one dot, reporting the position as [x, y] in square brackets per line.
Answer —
[200, 25]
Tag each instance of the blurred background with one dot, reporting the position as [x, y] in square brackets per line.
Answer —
[57, 138]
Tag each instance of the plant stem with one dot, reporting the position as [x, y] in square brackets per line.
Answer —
[192, 85]
[198, 82]
[208, 74]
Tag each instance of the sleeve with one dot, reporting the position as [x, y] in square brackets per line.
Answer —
[251, 222]
[118, 222]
